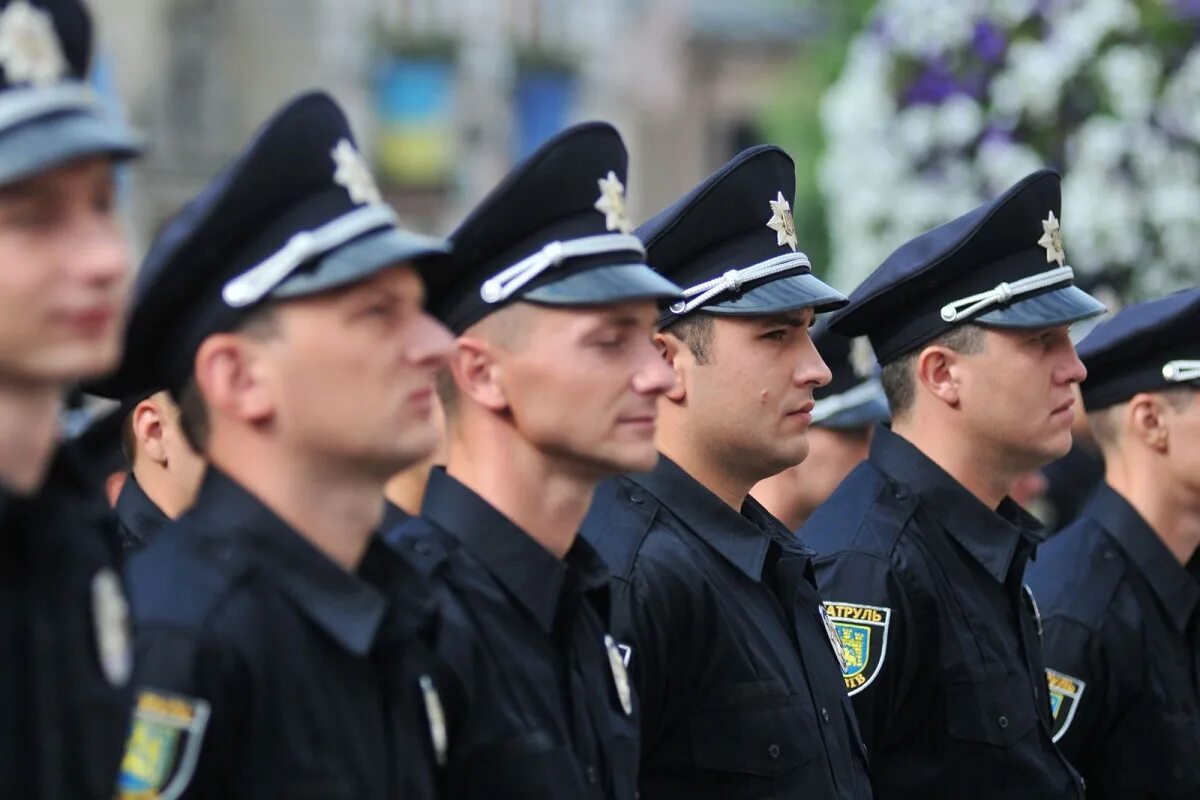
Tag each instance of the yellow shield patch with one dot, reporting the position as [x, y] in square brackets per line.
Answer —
[163, 747]
[1065, 693]
[863, 633]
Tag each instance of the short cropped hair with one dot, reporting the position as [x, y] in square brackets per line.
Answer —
[261, 323]
[695, 331]
[899, 377]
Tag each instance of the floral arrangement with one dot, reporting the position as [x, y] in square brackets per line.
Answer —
[942, 104]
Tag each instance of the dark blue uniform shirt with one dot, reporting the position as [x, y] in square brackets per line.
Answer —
[63, 713]
[742, 695]
[265, 670]
[545, 716]
[924, 583]
[139, 519]
[1122, 642]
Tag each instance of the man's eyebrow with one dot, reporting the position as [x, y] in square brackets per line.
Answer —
[796, 319]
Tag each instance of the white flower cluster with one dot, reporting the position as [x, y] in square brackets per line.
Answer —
[895, 167]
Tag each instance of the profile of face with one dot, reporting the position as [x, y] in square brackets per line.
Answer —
[64, 267]
[345, 377]
[167, 468]
[1017, 396]
[1181, 444]
[750, 403]
[580, 385]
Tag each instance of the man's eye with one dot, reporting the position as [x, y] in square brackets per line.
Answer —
[775, 336]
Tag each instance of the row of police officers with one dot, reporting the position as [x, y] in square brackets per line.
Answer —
[590, 603]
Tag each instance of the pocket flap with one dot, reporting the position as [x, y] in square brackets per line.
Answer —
[763, 733]
[995, 711]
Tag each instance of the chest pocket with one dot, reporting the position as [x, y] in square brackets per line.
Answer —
[1159, 753]
[996, 711]
[754, 729]
[531, 766]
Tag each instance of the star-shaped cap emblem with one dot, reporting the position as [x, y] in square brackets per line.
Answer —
[353, 173]
[29, 48]
[1052, 240]
[612, 204]
[781, 222]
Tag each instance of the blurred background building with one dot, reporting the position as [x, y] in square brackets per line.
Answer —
[447, 94]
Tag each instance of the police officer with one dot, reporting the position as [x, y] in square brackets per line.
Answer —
[846, 410]
[921, 552]
[716, 602]
[164, 471]
[281, 644]
[1121, 613]
[551, 387]
[63, 266]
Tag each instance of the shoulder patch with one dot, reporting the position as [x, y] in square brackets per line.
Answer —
[163, 747]
[1065, 693]
[863, 633]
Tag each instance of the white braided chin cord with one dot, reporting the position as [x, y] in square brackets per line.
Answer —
[502, 286]
[1005, 293]
[258, 281]
[733, 280]
[1181, 371]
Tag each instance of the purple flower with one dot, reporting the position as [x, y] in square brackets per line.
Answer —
[989, 43]
[932, 86]
[1187, 9]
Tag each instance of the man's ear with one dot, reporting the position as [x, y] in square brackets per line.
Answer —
[148, 432]
[680, 359]
[937, 371]
[1147, 421]
[478, 373]
[234, 378]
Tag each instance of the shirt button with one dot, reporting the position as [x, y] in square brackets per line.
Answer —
[423, 548]
[591, 774]
[825, 714]
[1003, 721]
[636, 498]
[773, 751]
[900, 493]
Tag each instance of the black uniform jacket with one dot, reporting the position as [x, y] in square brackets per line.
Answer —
[265, 670]
[1122, 641]
[548, 716]
[742, 695]
[139, 519]
[64, 672]
[924, 584]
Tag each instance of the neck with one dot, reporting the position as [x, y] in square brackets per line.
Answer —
[535, 492]
[979, 475]
[155, 483]
[336, 510]
[1171, 512]
[28, 434]
[705, 468]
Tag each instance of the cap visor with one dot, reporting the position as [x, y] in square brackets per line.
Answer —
[1059, 307]
[604, 286]
[361, 259]
[46, 143]
[785, 294]
[865, 414]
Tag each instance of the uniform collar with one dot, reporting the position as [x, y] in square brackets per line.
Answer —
[528, 571]
[1177, 590]
[140, 518]
[743, 539]
[993, 538]
[349, 607]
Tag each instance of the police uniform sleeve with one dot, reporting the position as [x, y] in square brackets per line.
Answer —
[1086, 699]
[871, 606]
[189, 718]
[651, 625]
